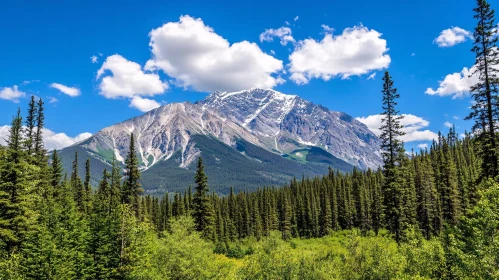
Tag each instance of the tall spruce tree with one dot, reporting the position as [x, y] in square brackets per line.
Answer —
[39, 149]
[393, 153]
[131, 186]
[15, 187]
[485, 110]
[87, 187]
[77, 185]
[114, 195]
[56, 170]
[203, 212]
[285, 218]
[30, 126]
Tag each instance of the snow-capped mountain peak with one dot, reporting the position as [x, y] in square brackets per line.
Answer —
[280, 124]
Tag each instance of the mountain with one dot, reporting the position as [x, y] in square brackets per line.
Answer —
[247, 139]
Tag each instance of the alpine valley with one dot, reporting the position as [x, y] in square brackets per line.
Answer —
[250, 138]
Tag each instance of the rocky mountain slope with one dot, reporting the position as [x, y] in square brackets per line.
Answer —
[247, 138]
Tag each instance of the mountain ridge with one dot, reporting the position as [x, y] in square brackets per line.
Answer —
[273, 122]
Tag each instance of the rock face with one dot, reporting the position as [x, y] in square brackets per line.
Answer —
[285, 122]
[273, 122]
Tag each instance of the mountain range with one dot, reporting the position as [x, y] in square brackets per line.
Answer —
[250, 138]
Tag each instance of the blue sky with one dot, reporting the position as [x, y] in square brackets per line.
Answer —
[145, 54]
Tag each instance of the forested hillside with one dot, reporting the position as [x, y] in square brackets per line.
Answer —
[429, 214]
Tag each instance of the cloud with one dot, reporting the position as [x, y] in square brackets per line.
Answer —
[413, 126]
[423, 146]
[12, 93]
[71, 91]
[456, 117]
[58, 141]
[94, 59]
[143, 104]
[283, 33]
[51, 139]
[296, 18]
[327, 29]
[287, 23]
[29, 82]
[356, 51]
[124, 78]
[371, 77]
[452, 36]
[53, 99]
[448, 124]
[197, 57]
[456, 84]
[413, 54]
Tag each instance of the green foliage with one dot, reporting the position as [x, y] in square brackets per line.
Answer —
[17, 186]
[181, 254]
[271, 260]
[474, 246]
[425, 258]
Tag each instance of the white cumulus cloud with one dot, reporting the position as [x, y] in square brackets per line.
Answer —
[296, 18]
[143, 104]
[196, 57]
[283, 33]
[71, 91]
[448, 124]
[413, 127]
[357, 51]
[124, 78]
[51, 139]
[12, 93]
[371, 77]
[456, 84]
[94, 59]
[452, 36]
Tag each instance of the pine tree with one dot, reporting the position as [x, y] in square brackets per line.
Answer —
[326, 215]
[285, 218]
[164, 213]
[256, 220]
[15, 187]
[30, 126]
[178, 208]
[56, 171]
[376, 203]
[449, 192]
[77, 186]
[131, 186]
[393, 153]
[87, 187]
[485, 110]
[39, 149]
[114, 193]
[202, 208]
